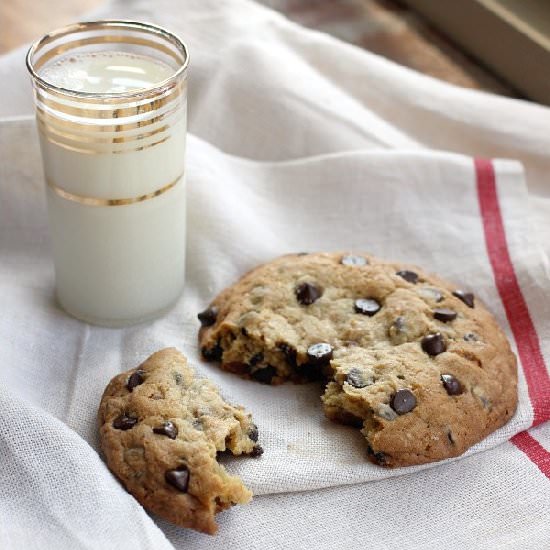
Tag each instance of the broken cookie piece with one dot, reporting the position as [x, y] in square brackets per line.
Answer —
[411, 411]
[161, 429]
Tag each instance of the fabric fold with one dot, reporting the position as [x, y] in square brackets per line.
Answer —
[57, 493]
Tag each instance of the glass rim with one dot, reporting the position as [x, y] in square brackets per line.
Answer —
[113, 23]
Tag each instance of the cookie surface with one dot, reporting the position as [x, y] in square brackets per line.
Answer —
[418, 364]
[160, 430]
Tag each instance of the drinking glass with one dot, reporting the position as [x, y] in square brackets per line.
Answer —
[113, 149]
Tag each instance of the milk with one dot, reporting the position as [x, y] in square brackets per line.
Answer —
[106, 72]
[115, 186]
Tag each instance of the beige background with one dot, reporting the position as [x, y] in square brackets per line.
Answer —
[23, 21]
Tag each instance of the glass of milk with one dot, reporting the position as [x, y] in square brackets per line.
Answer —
[111, 102]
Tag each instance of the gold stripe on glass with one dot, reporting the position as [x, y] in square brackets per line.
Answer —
[101, 138]
[93, 201]
[56, 125]
[90, 109]
[81, 148]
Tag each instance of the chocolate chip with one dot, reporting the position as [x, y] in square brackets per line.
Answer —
[433, 344]
[431, 293]
[258, 450]
[367, 306]
[354, 260]
[379, 457]
[451, 384]
[319, 354]
[289, 352]
[403, 401]
[124, 422]
[398, 331]
[253, 432]
[302, 253]
[168, 429]
[445, 315]
[208, 316]
[450, 437]
[197, 424]
[264, 375]
[178, 478]
[310, 371]
[177, 378]
[135, 379]
[355, 379]
[212, 354]
[306, 293]
[399, 324]
[236, 367]
[470, 337]
[349, 419]
[256, 358]
[466, 297]
[244, 332]
[409, 276]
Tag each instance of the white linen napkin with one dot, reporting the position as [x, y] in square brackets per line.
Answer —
[298, 142]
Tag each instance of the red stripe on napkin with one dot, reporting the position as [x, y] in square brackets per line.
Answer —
[517, 312]
[534, 450]
[527, 341]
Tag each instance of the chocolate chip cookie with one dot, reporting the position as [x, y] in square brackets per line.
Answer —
[161, 429]
[418, 364]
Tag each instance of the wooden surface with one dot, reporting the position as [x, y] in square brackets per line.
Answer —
[519, 45]
[381, 26]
